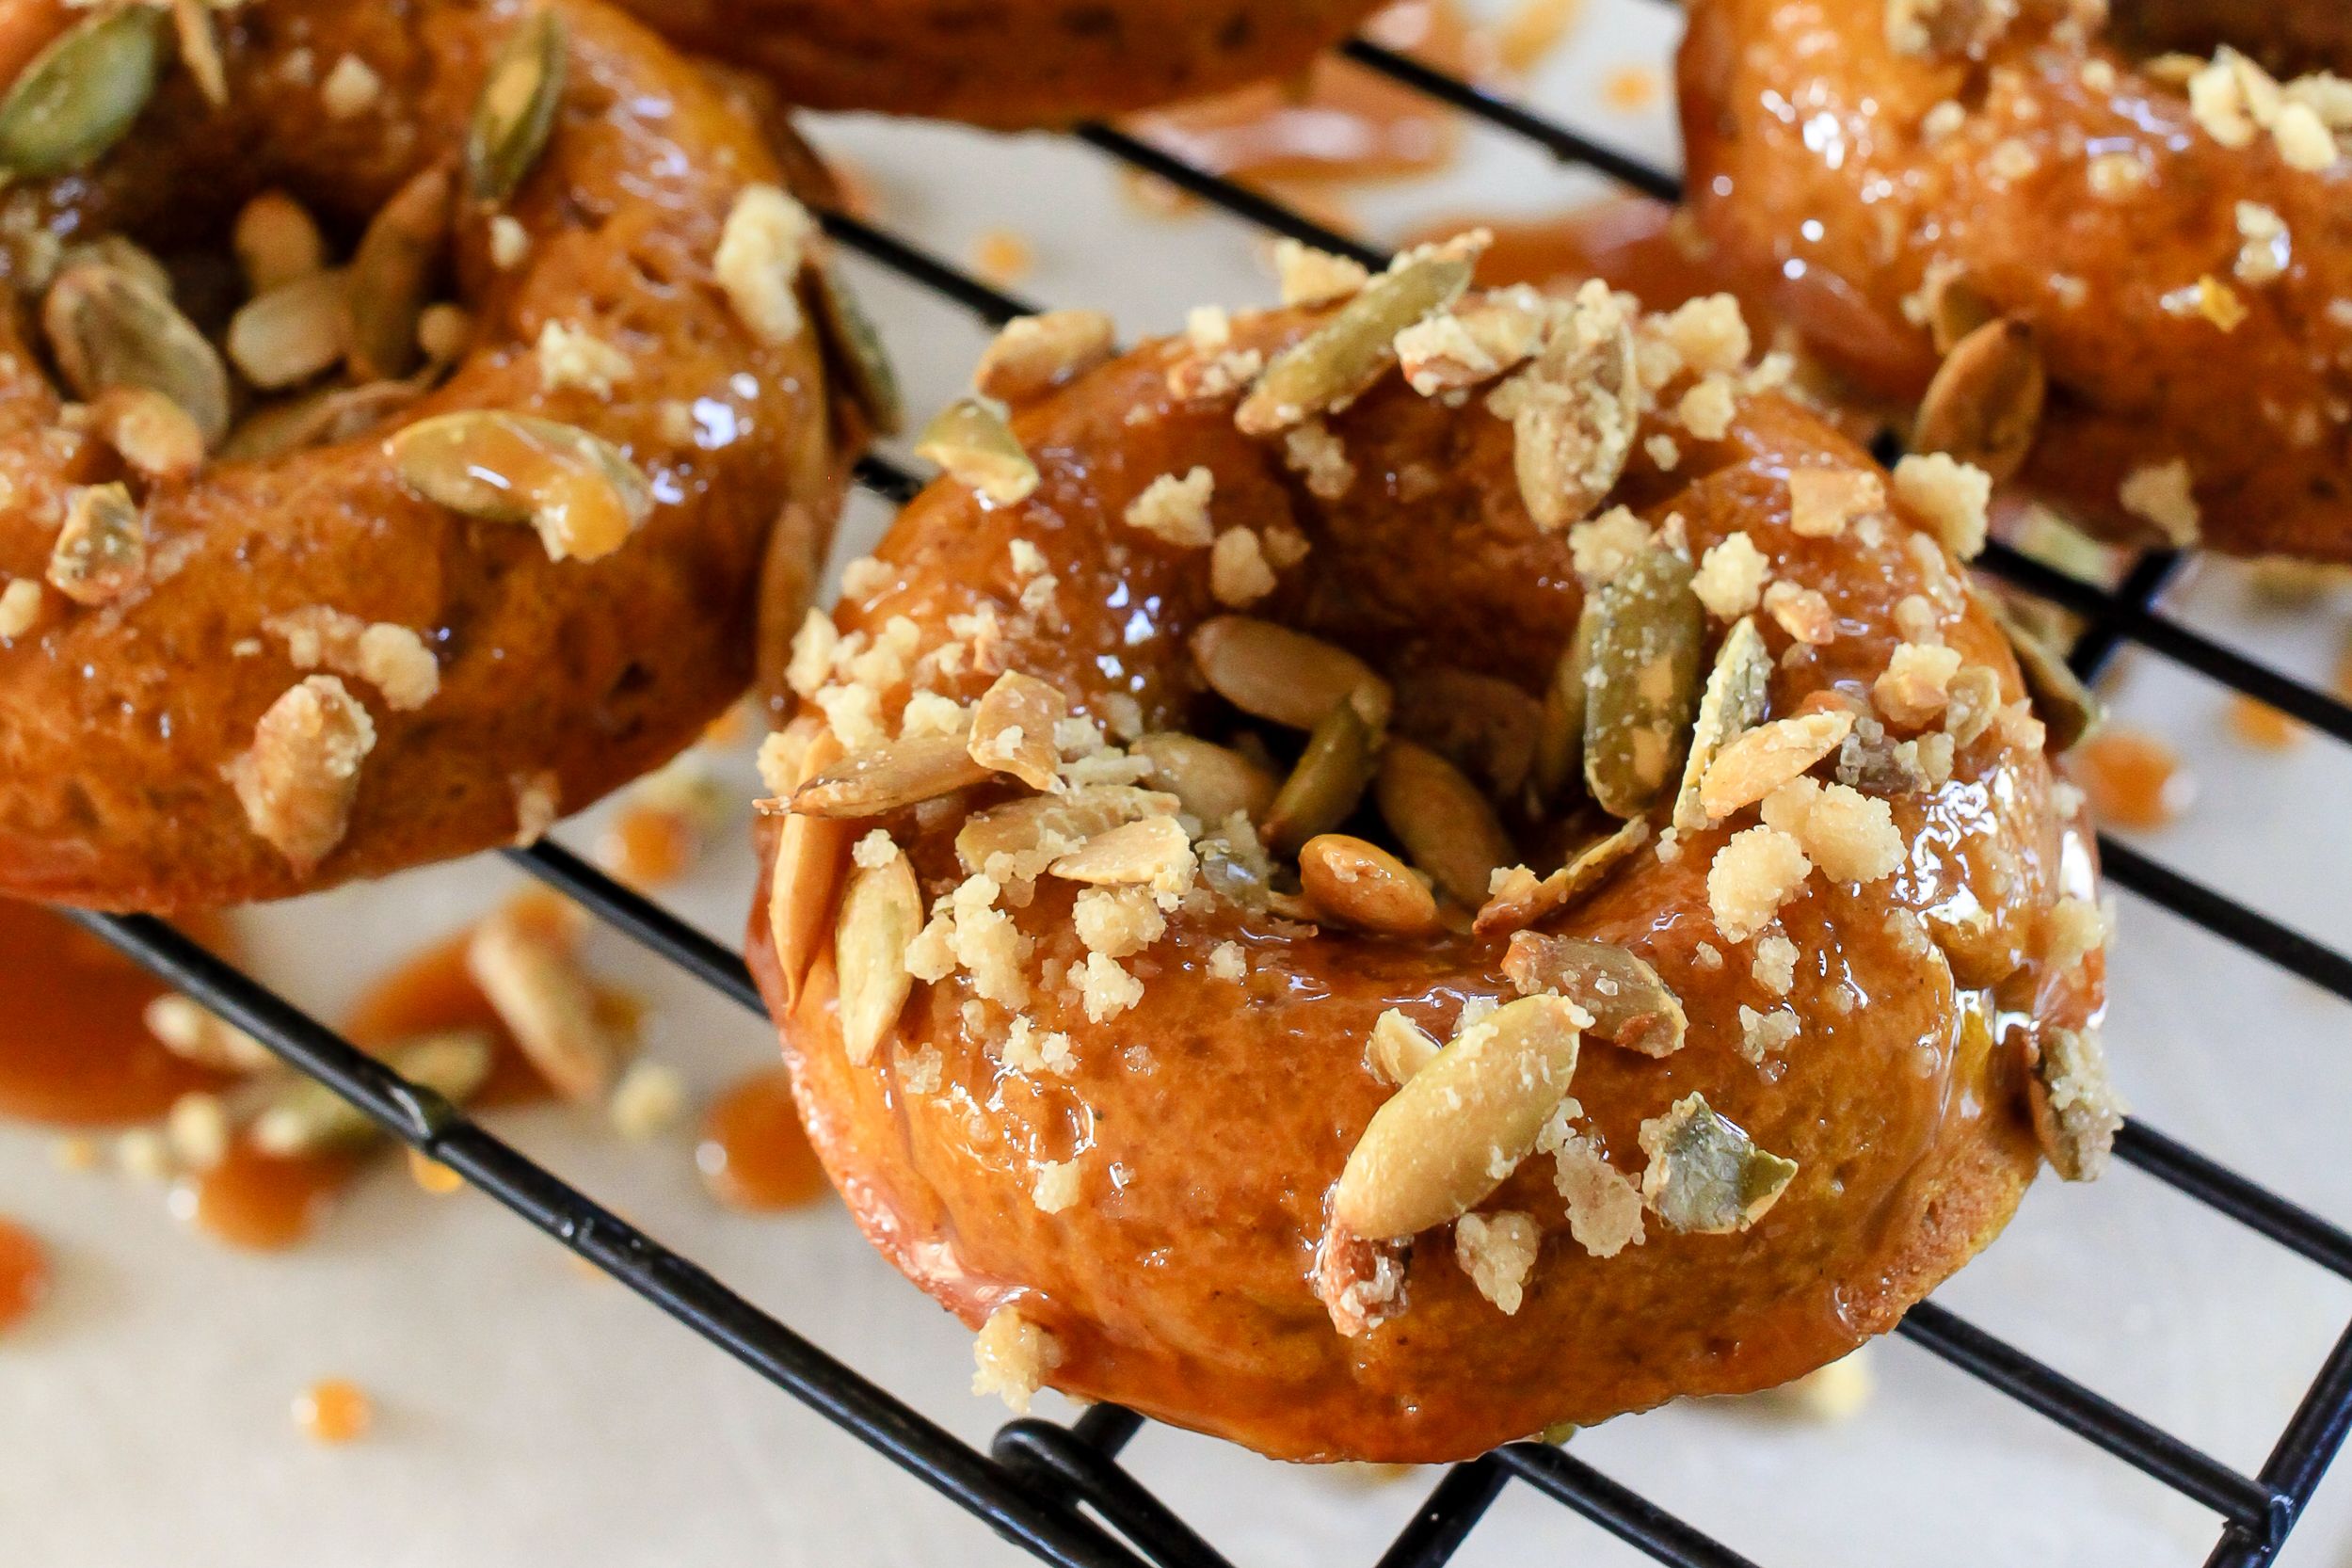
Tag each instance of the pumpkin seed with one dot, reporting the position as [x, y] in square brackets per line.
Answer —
[2077, 1112]
[101, 553]
[293, 333]
[1735, 698]
[808, 855]
[276, 240]
[81, 94]
[1643, 683]
[1212, 782]
[516, 109]
[541, 994]
[979, 451]
[1032, 355]
[1459, 1124]
[893, 776]
[857, 348]
[1156, 851]
[117, 250]
[2068, 708]
[1002, 837]
[1953, 306]
[1012, 730]
[1559, 738]
[1629, 1003]
[1481, 723]
[303, 1116]
[1272, 672]
[1399, 1046]
[318, 418]
[199, 48]
[1444, 823]
[1524, 898]
[390, 273]
[881, 914]
[1361, 885]
[1333, 364]
[582, 493]
[1573, 416]
[1705, 1176]
[1763, 759]
[1328, 782]
[1984, 405]
[152, 433]
[107, 326]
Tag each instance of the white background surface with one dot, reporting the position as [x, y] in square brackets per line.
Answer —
[530, 1415]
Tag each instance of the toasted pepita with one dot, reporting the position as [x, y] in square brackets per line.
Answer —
[893, 776]
[1705, 1176]
[153, 434]
[199, 48]
[276, 240]
[1483, 723]
[1354, 883]
[1760, 762]
[317, 418]
[1984, 405]
[1331, 365]
[81, 92]
[1953, 306]
[2068, 707]
[1013, 729]
[1154, 851]
[978, 449]
[2077, 1112]
[1032, 355]
[1212, 781]
[1456, 1128]
[541, 995]
[1575, 414]
[1734, 700]
[1006, 836]
[1559, 738]
[1444, 821]
[1272, 672]
[516, 109]
[1642, 688]
[391, 272]
[1399, 1046]
[881, 914]
[109, 326]
[1630, 1005]
[855, 345]
[809, 852]
[297, 330]
[1523, 898]
[581, 492]
[101, 553]
[302, 1116]
[1324, 787]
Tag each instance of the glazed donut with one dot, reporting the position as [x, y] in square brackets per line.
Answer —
[270, 620]
[2126, 279]
[1250, 715]
[1010, 64]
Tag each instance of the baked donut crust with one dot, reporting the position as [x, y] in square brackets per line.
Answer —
[1144, 1220]
[2184, 294]
[558, 680]
[1010, 64]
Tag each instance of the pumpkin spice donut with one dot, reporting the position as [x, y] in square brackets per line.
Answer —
[1393, 872]
[2124, 277]
[1010, 64]
[403, 406]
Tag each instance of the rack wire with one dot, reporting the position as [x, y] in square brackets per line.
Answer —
[1061, 1492]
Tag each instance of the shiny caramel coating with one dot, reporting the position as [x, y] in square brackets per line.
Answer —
[1815, 165]
[1211, 1121]
[1010, 64]
[115, 722]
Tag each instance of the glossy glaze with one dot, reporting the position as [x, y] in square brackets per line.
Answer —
[1810, 166]
[1211, 1121]
[23, 1272]
[753, 1154]
[115, 722]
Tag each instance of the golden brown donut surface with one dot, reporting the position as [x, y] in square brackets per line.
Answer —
[1007, 63]
[591, 298]
[1122, 1136]
[2174, 245]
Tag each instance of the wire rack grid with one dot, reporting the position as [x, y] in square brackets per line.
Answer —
[1061, 1492]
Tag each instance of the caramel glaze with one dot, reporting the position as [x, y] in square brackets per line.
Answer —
[1212, 1119]
[74, 1049]
[115, 722]
[754, 1155]
[23, 1272]
[1809, 165]
[1007, 63]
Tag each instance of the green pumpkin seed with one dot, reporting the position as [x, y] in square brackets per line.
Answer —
[80, 94]
[108, 326]
[1328, 783]
[1984, 405]
[1629, 1003]
[1642, 692]
[319, 418]
[1333, 363]
[306, 1117]
[580, 491]
[855, 347]
[390, 273]
[1705, 1176]
[978, 449]
[2069, 708]
[1734, 700]
[1560, 737]
[515, 112]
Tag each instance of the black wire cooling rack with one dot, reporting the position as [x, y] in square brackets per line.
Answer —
[1060, 1491]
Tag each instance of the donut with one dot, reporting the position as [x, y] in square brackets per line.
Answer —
[2121, 278]
[1009, 65]
[1392, 873]
[404, 409]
